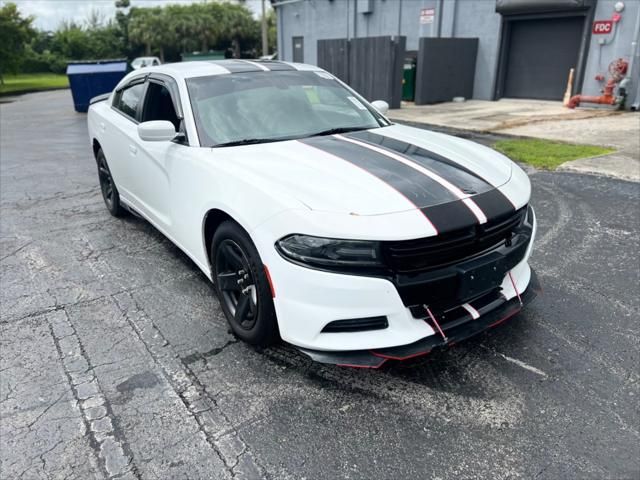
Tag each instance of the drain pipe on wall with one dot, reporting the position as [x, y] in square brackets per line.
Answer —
[355, 19]
[635, 53]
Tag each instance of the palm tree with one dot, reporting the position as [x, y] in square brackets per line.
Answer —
[139, 28]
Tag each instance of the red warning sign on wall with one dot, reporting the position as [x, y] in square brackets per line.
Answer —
[601, 27]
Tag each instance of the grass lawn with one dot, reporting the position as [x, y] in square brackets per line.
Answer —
[29, 82]
[545, 153]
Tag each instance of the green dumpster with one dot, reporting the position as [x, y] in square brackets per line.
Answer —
[409, 80]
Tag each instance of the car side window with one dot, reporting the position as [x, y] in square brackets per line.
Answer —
[159, 105]
[128, 98]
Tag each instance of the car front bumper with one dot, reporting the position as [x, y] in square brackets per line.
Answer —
[307, 300]
[375, 358]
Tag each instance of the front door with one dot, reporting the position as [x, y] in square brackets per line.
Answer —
[156, 159]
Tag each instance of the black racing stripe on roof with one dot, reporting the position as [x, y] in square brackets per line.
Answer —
[424, 192]
[235, 66]
[276, 66]
[458, 175]
[494, 203]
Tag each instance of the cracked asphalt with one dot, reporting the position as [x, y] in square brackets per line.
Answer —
[116, 361]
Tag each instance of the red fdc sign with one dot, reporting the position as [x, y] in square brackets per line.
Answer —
[601, 27]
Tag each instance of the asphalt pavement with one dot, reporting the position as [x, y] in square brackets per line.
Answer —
[116, 362]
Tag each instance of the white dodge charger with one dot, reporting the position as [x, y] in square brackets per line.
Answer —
[317, 219]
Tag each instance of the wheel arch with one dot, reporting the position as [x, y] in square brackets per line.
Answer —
[95, 144]
[210, 223]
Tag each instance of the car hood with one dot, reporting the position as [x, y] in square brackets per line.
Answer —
[369, 172]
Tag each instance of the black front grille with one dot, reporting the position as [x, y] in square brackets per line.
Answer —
[426, 254]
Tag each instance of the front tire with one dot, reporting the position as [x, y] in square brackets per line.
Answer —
[242, 286]
[110, 193]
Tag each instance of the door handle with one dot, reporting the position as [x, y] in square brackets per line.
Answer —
[133, 149]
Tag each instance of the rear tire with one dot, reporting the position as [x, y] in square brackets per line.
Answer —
[242, 286]
[110, 193]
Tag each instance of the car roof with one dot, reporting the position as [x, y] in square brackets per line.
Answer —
[220, 67]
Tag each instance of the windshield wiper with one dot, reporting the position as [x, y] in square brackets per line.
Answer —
[246, 141]
[333, 131]
[252, 141]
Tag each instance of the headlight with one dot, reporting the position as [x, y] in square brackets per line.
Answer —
[330, 253]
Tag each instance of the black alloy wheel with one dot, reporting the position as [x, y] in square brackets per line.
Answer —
[242, 285]
[235, 280]
[108, 186]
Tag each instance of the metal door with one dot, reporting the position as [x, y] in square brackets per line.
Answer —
[540, 54]
[298, 49]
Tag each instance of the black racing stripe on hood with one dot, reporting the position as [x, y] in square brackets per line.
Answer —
[424, 192]
[463, 178]
[494, 203]
[450, 216]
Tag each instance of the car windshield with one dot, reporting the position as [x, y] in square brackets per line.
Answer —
[256, 107]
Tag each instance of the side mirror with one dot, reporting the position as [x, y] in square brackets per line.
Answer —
[157, 131]
[381, 106]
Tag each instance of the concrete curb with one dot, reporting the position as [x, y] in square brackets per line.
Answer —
[612, 165]
[16, 93]
[459, 132]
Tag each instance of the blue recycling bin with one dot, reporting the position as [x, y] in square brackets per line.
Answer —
[93, 78]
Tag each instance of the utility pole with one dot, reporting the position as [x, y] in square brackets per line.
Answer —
[265, 46]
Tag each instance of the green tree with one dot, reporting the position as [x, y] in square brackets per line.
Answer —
[155, 28]
[163, 30]
[208, 25]
[71, 42]
[15, 32]
[140, 28]
[106, 42]
[199, 26]
[240, 28]
[122, 21]
[183, 24]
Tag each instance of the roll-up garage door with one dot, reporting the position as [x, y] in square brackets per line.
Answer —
[540, 54]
